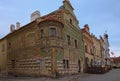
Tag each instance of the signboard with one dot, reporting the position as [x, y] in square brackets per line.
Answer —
[37, 59]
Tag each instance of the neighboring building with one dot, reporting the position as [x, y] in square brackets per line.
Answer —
[48, 45]
[102, 51]
[107, 55]
[3, 57]
[88, 46]
[115, 62]
[97, 51]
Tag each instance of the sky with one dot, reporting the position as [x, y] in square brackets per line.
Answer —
[100, 15]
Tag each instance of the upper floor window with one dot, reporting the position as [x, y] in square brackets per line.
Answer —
[68, 39]
[76, 45]
[9, 45]
[85, 48]
[70, 21]
[42, 32]
[3, 47]
[91, 51]
[52, 31]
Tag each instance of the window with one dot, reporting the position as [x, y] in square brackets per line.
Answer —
[85, 48]
[52, 31]
[3, 47]
[68, 39]
[91, 51]
[9, 45]
[76, 44]
[65, 64]
[70, 21]
[42, 33]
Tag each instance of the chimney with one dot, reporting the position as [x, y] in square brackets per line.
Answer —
[17, 25]
[12, 28]
[35, 15]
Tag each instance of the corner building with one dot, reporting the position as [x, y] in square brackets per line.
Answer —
[48, 46]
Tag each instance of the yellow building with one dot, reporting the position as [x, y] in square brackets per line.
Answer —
[3, 57]
[97, 51]
[88, 45]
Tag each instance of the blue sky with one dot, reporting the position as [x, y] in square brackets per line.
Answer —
[101, 15]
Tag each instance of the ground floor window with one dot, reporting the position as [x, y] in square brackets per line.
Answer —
[65, 64]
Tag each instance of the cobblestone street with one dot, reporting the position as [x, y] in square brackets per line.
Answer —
[113, 75]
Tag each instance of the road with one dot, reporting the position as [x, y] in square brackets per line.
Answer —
[113, 75]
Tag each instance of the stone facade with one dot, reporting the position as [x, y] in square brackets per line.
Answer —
[50, 45]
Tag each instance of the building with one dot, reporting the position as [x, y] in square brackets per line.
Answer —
[88, 46]
[49, 45]
[102, 42]
[3, 57]
[52, 45]
[97, 51]
[107, 55]
[115, 62]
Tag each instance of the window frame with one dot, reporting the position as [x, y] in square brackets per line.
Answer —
[76, 43]
[68, 40]
[41, 33]
[65, 64]
[3, 47]
[53, 31]
[86, 48]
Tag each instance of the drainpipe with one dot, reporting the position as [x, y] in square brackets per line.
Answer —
[53, 63]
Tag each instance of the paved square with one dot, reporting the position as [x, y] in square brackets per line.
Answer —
[113, 75]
